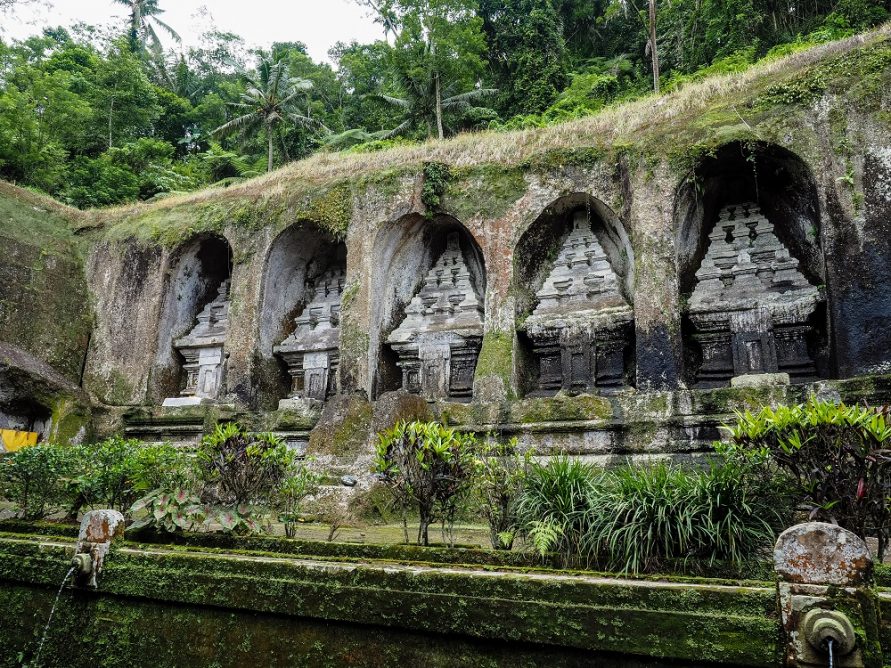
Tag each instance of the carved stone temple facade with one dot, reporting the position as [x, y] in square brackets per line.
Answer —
[203, 350]
[582, 324]
[439, 340]
[751, 305]
[312, 352]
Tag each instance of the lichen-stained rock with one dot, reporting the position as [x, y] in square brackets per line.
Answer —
[751, 305]
[822, 554]
[439, 340]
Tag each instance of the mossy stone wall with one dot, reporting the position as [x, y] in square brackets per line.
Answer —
[189, 605]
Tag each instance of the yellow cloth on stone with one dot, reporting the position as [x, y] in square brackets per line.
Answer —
[16, 440]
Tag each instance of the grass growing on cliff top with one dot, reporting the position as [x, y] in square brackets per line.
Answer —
[622, 124]
[35, 219]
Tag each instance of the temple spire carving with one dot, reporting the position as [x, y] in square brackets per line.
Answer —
[581, 326]
[439, 339]
[751, 305]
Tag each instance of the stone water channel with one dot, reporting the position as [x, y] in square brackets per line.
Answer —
[243, 603]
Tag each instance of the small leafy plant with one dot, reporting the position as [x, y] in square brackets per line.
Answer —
[500, 476]
[169, 511]
[426, 465]
[300, 482]
[836, 458]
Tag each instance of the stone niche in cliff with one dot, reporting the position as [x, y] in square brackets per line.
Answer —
[751, 308]
[573, 285]
[582, 324]
[312, 352]
[203, 350]
[191, 364]
[439, 339]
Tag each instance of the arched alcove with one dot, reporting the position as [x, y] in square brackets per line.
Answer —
[24, 414]
[573, 280]
[305, 268]
[751, 268]
[405, 253]
[199, 278]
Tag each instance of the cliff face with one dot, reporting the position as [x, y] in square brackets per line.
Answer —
[45, 314]
[808, 138]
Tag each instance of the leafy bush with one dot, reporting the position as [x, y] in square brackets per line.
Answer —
[426, 465]
[239, 473]
[35, 479]
[555, 509]
[239, 468]
[116, 472]
[300, 481]
[837, 459]
[645, 517]
[499, 479]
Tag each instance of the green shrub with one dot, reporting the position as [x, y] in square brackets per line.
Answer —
[426, 465]
[35, 479]
[499, 479]
[299, 482]
[837, 459]
[646, 517]
[239, 468]
[554, 511]
[115, 472]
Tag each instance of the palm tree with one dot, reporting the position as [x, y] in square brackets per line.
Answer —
[423, 104]
[143, 19]
[269, 101]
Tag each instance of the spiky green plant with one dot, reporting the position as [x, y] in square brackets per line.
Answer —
[554, 512]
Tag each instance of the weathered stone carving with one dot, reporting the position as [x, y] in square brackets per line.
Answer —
[439, 340]
[826, 589]
[751, 305]
[581, 325]
[312, 352]
[203, 350]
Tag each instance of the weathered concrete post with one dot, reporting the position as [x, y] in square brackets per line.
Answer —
[827, 601]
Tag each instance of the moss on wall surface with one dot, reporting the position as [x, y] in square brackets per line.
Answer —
[730, 625]
[44, 305]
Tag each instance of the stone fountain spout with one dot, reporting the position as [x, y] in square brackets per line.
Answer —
[98, 529]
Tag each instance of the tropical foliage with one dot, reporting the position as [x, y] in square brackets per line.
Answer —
[427, 466]
[836, 459]
[97, 117]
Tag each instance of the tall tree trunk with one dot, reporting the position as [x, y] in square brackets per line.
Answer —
[110, 117]
[438, 106]
[654, 51]
[269, 159]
